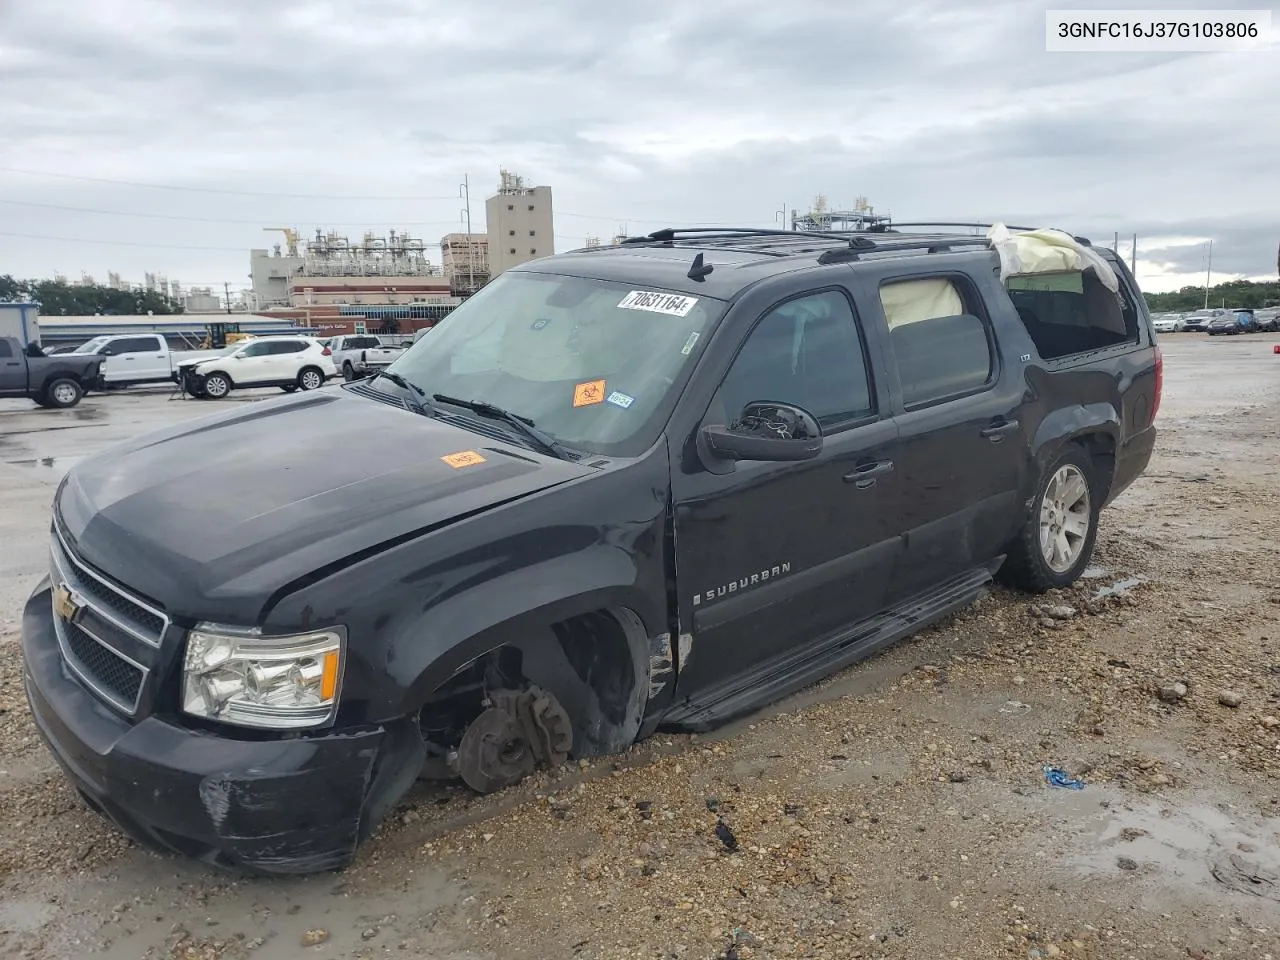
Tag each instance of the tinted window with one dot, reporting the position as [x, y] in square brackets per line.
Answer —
[255, 350]
[5, 349]
[136, 345]
[359, 343]
[805, 352]
[286, 346]
[941, 350]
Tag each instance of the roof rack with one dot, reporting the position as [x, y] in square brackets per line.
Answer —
[889, 227]
[837, 246]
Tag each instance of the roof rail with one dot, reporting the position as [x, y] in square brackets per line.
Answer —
[890, 227]
[846, 245]
[669, 234]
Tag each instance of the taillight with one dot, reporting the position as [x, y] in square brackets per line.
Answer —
[1155, 404]
[326, 352]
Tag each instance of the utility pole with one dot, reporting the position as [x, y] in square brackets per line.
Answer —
[781, 217]
[1115, 241]
[464, 191]
[1133, 258]
[1207, 275]
[226, 292]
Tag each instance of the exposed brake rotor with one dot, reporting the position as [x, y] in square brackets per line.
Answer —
[517, 731]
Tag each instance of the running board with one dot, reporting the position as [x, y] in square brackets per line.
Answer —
[775, 679]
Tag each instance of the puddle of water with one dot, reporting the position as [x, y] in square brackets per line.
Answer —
[48, 466]
[1202, 850]
[24, 915]
[1117, 588]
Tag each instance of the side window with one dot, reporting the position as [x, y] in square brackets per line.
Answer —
[256, 350]
[807, 352]
[286, 346]
[941, 348]
[1072, 312]
[137, 345]
[5, 349]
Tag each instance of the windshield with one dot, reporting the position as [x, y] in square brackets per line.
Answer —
[92, 346]
[594, 363]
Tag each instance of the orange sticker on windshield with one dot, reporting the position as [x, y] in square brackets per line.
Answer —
[585, 394]
[466, 458]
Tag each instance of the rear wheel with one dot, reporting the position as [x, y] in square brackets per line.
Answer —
[290, 388]
[310, 379]
[217, 386]
[1056, 542]
[63, 393]
[348, 372]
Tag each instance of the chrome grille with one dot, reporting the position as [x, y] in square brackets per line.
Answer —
[110, 675]
[131, 614]
[108, 623]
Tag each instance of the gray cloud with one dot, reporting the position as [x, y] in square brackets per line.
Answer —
[643, 114]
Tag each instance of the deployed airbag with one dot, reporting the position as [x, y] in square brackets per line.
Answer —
[1047, 251]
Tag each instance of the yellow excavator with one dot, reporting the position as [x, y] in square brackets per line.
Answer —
[218, 335]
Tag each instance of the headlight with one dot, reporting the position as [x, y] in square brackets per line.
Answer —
[258, 681]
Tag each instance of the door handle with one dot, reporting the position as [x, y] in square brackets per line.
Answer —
[865, 475]
[997, 431]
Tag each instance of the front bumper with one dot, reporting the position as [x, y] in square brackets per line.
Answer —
[286, 806]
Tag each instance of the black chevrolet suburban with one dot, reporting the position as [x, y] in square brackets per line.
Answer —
[658, 484]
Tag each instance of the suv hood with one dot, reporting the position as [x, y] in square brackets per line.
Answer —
[211, 518]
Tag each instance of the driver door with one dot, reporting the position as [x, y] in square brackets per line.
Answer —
[251, 364]
[774, 557]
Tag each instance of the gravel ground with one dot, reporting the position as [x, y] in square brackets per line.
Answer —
[900, 809]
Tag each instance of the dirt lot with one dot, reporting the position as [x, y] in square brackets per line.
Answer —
[899, 810]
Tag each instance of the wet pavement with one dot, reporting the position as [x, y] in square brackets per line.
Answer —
[38, 446]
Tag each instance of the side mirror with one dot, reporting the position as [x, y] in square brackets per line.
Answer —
[767, 431]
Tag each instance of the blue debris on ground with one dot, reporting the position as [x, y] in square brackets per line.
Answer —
[1057, 777]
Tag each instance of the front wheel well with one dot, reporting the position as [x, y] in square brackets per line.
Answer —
[594, 663]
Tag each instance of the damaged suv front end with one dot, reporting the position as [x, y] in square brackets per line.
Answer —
[249, 659]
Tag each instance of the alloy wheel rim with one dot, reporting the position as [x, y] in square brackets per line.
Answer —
[1064, 518]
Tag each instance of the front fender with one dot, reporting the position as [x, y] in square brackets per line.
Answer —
[427, 649]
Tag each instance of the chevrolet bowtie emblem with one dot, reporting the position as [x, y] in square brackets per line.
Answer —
[64, 603]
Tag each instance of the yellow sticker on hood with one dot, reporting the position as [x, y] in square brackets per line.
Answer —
[466, 458]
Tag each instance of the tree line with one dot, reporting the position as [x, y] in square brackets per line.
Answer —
[59, 298]
[1232, 293]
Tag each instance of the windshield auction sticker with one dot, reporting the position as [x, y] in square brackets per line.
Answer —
[466, 458]
[672, 304]
[585, 394]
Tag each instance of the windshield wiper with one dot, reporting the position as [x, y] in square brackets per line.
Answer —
[523, 425]
[412, 389]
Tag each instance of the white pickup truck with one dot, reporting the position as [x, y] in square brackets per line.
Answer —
[138, 358]
[360, 354]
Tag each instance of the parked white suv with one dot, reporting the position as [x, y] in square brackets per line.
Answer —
[288, 362]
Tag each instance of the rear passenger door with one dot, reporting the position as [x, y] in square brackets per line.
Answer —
[282, 360]
[962, 450]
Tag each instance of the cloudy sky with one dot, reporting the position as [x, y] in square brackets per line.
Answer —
[164, 135]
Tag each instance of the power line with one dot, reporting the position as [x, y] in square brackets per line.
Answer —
[116, 243]
[170, 216]
[190, 189]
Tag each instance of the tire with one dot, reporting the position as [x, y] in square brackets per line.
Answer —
[63, 393]
[348, 372]
[1027, 567]
[310, 378]
[216, 386]
[290, 388]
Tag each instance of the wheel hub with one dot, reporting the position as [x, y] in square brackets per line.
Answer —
[518, 730]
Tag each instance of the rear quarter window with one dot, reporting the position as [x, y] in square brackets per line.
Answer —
[1073, 312]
